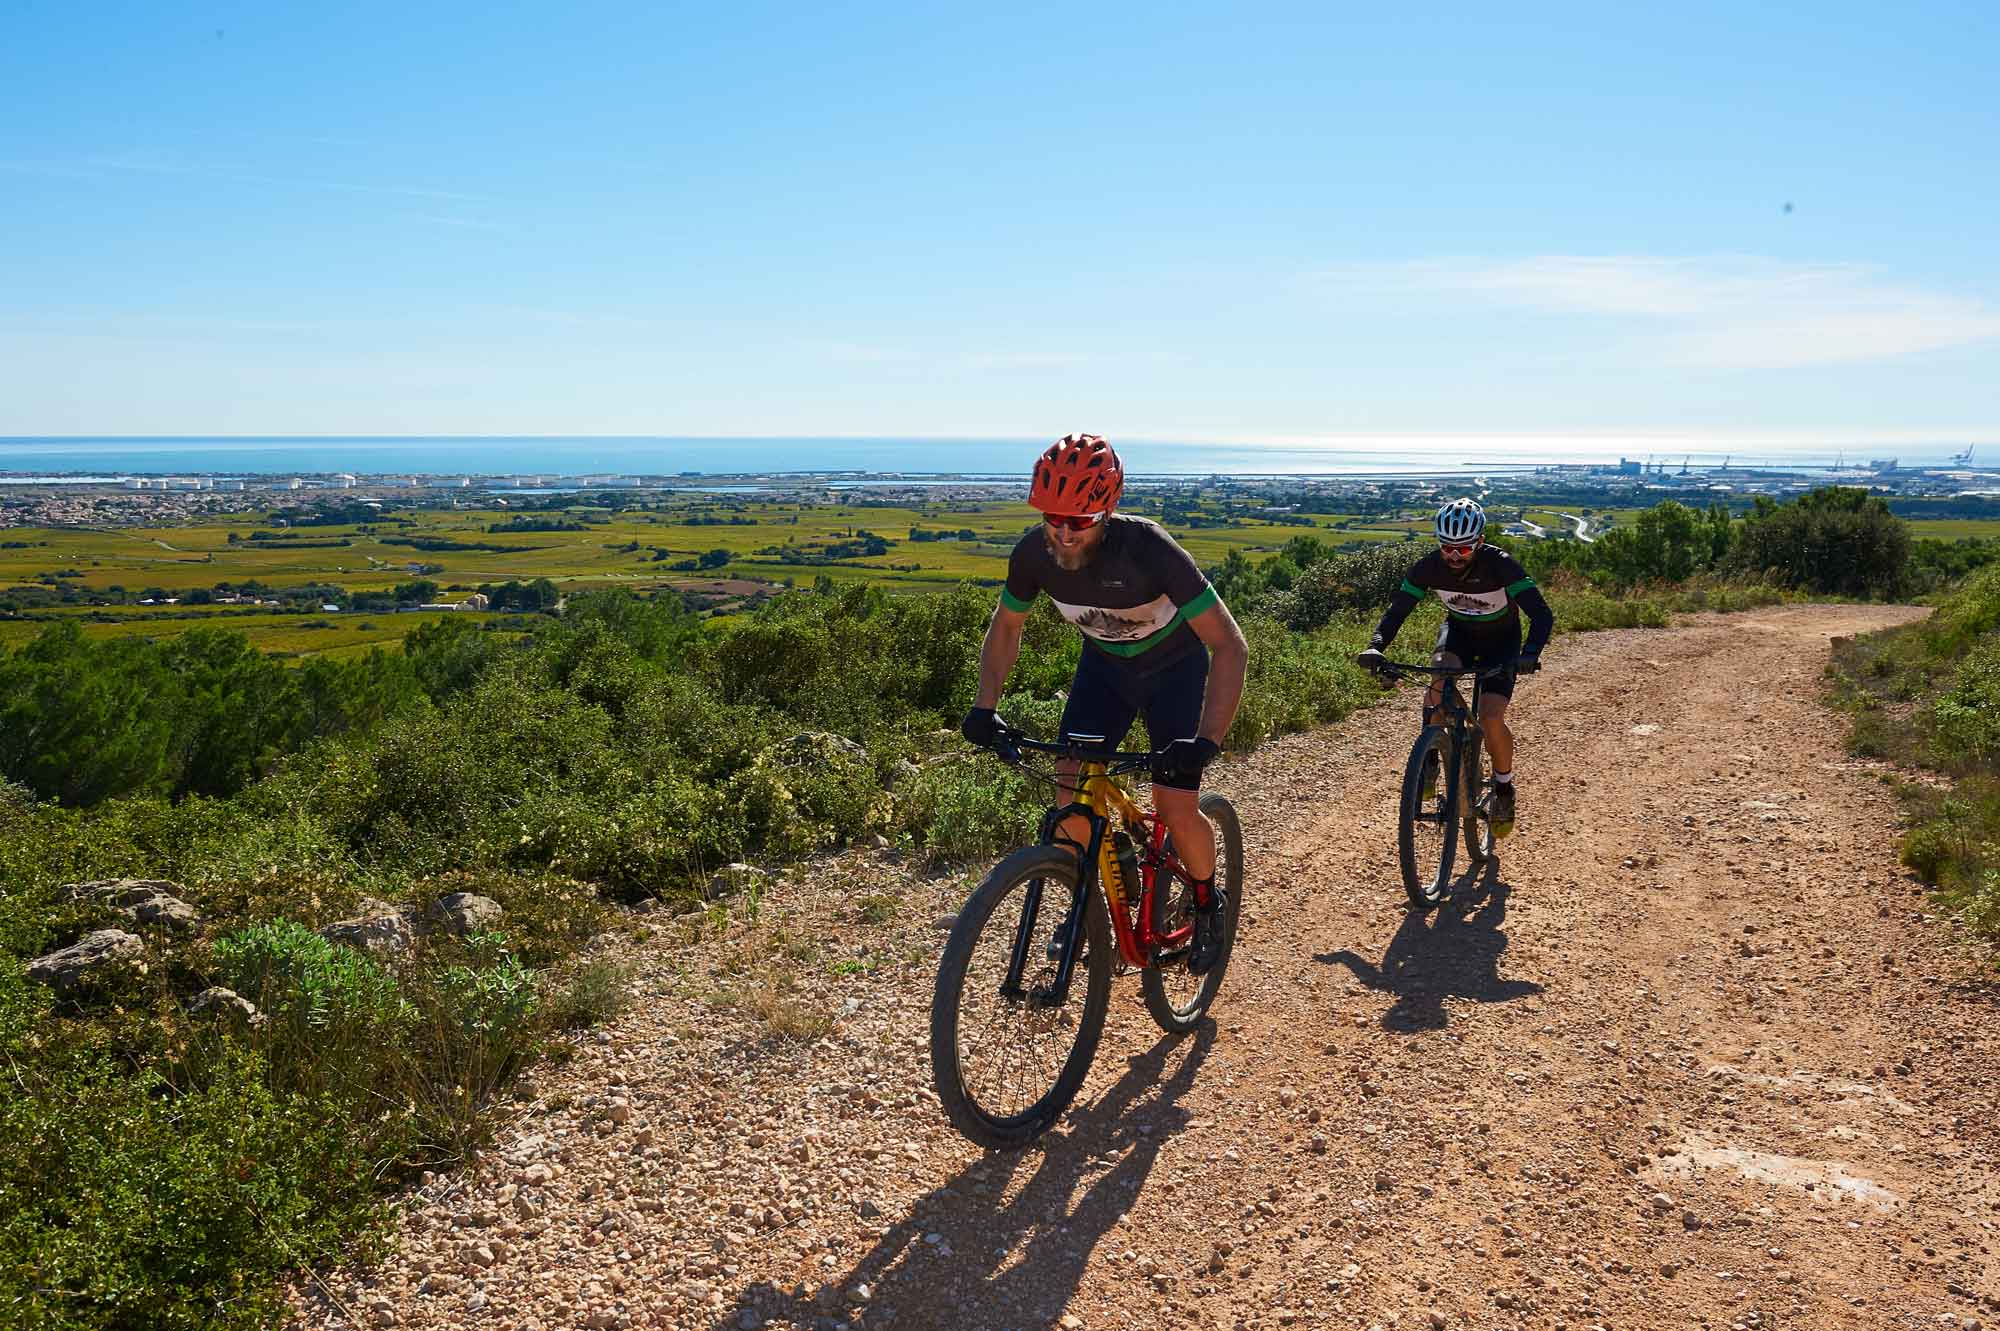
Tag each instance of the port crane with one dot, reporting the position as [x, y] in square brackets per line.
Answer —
[1963, 459]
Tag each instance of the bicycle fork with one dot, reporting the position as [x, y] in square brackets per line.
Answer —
[1063, 944]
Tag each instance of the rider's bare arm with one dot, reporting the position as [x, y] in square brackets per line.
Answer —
[999, 652]
[1228, 659]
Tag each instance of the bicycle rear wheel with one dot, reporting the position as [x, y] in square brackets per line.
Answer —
[1426, 833]
[1177, 999]
[1475, 808]
[1006, 1067]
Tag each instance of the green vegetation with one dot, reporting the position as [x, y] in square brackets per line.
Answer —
[1928, 695]
[598, 746]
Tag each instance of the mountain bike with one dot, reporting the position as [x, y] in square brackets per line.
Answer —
[1012, 1031]
[1456, 801]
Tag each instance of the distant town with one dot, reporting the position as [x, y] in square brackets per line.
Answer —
[139, 500]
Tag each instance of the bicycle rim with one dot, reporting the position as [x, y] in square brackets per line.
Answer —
[1176, 998]
[1006, 1067]
[1425, 834]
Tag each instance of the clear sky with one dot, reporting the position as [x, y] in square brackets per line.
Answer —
[1240, 222]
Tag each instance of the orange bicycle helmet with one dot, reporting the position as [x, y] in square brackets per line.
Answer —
[1079, 474]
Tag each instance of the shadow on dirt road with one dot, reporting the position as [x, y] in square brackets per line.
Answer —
[1015, 1262]
[1450, 952]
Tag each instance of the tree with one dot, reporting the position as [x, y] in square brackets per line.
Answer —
[416, 592]
[1834, 540]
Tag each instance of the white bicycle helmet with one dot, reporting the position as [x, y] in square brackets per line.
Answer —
[1460, 521]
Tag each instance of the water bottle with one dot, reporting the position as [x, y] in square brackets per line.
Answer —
[1127, 856]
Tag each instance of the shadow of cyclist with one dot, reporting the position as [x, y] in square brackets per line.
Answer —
[1049, 1229]
[1451, 952]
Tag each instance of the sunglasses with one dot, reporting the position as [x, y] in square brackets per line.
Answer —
[1074, 522]
[1453, 548]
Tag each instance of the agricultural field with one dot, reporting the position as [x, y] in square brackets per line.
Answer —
[693, 544]
[1954, 529]
[279, 634]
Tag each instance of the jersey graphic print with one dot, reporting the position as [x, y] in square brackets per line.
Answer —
[1125, 624]
[1480, 605]
[1132, 600]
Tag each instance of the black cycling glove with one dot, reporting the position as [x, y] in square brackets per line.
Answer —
[980, 727]
[1184, 759]
[1527, 665]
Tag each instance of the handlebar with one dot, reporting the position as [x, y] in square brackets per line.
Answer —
[1388, 667]
[1010, 744]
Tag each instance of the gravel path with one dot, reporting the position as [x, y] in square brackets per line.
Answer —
[1694, 1056]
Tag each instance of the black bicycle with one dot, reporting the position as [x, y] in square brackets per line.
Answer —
[1011, 1040]
[1452, 797]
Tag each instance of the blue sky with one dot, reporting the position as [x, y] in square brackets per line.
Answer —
[1252, 223]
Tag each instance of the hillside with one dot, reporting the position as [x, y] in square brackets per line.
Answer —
[1695, 1055]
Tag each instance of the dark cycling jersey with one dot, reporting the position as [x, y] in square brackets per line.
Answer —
[1133, 600]
[1481, 601]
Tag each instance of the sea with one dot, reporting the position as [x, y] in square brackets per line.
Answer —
[71, 458]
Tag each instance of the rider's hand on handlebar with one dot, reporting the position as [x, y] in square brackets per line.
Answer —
[1527, 665]
[980, 727]
[1373, 660]
[1184, 759]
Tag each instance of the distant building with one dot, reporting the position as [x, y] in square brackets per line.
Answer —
[343, 481]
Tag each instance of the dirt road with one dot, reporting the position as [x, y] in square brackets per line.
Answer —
[1694, 1056]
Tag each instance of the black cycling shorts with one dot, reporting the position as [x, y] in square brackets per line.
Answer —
[1105, 698]
[1477, 649]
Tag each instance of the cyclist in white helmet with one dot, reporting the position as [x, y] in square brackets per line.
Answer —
[1484, 589]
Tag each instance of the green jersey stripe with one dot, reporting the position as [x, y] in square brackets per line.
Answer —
[1181, 616]
[1013, 602]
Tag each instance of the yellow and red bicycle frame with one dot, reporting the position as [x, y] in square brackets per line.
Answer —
[1131, 920]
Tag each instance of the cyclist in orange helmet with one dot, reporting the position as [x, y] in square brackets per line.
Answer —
[1158, 643]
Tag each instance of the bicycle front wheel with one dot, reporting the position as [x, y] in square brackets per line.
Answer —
[1177, 999]
[1007, 1065]
[1475, 795]
[1426, 834]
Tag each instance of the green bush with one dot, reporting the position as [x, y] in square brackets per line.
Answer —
[299, 979]
[1965, 718]
[1832, 540]
[965, 805]
[128, 1201]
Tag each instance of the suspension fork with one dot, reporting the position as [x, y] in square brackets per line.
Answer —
[1069, 933]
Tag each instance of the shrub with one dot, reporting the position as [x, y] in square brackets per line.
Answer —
[1965, 718]
[1832, 540]
[587, 994]
[964, 805]
[129, 1201]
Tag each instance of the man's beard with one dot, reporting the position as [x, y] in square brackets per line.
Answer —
[1069, 561]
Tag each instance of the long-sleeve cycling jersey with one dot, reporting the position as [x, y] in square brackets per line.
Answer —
[1484, 598]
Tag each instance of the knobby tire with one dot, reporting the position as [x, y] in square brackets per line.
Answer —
[1426, 834]
[985, 929]
[1174, 998]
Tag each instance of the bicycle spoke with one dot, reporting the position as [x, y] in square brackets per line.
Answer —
[1011, 1050]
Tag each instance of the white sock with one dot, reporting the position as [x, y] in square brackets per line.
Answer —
[1503, 778]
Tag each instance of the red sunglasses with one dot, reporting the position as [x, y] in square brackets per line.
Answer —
[1074, 521]
[1456, 548]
